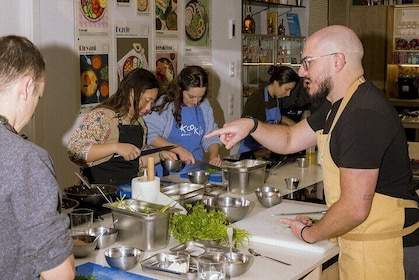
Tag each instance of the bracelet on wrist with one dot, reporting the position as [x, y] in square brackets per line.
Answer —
[255, 124]
[301, 234]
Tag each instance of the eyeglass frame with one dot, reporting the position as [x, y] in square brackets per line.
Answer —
[306, 60]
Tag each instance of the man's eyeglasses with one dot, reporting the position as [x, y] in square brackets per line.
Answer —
[306, 60]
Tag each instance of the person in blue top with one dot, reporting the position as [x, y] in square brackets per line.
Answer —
[182, 117]
[266, 106]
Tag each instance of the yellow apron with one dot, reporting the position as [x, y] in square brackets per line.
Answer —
[374, 249]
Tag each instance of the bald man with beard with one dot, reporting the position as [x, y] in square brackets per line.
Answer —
[373, 207]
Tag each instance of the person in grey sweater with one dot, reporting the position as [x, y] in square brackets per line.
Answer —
[34, 235]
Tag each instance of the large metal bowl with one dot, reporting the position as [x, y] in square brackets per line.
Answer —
[91, 196]
[124, 258]
[235, 208]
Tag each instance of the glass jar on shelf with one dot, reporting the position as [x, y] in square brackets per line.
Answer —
[249, 25]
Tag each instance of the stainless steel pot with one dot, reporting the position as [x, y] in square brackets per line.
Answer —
[91, 196]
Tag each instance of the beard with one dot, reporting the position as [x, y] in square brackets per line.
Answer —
[320, 95]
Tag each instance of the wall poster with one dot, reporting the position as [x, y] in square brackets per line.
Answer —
[166, 18]
[197, 27]
[132, 47]
[94, 73]
[143, 7]
[91, 17]
[166, 63]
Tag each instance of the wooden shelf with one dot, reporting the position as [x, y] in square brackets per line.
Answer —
[264, 4]
[405, 102]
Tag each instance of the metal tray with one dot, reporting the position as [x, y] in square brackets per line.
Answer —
[156, 264]
[183, 191]
[197, 248]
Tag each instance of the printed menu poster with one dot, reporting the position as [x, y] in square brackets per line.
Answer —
[92, 17]
[131, 47]
[166, 18]
[94, 73]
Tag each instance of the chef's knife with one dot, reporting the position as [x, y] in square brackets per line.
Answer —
[300, 213]
[153, 150]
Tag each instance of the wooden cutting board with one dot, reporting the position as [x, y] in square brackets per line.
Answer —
[266, 229]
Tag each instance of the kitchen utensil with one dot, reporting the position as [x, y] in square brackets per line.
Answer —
[153, 150]
[106, 230]
[141, 225]
[92, 196]
[87, 184]
[238, 263]
[300, 213]
[68, 204]
[150, 168]
[212, 266]
[198, 176]
[230, 241]
[83, 245]
[256, 254]
[81, 221]
[105, 240]
[268, 196]
[172, 165]
[245, 175]
[84, 182]
[302, 162]
[124, 258]
[292, 183]
[235, 208]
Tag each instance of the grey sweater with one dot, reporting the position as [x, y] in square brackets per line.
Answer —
[34, 236]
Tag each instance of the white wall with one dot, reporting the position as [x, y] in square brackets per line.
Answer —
[50, 24]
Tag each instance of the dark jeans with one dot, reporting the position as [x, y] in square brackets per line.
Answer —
[411, 262]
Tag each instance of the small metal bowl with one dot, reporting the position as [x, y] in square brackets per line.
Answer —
[235, 208]
[106, 239]
[268, 196]
[172, 165]
[198, 177]
[124, 258]
[68, 204]
[83, 245]
[238, 263]
[302, 162]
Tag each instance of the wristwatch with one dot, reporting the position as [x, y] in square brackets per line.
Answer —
[255, 124]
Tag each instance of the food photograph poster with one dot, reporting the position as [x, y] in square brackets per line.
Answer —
[166, 63]
[197, 27]
[166, 18]
[92, 17]
[94, 73]
[132, 47]
[143, 7]
[131, 53]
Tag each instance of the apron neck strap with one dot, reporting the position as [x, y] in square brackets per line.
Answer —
[348, 95]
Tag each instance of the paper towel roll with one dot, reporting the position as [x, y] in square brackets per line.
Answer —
[145, 190]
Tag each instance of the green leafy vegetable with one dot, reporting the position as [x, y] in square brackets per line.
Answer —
[201, 224]
[212, 169]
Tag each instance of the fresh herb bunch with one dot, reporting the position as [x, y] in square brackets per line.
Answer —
[207, 225]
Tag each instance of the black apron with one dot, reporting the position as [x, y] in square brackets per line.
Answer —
[118, 171]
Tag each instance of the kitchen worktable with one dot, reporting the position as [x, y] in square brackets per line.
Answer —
[303, 262]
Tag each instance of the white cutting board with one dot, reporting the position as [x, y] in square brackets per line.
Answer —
[266, 229]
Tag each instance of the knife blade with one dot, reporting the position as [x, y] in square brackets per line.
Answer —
[300, 213]
[153, 150]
